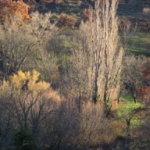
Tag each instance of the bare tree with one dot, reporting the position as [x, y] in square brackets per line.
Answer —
[105, 57]
[26, 107]
[15, 49]
[24, 46]
[132, 77]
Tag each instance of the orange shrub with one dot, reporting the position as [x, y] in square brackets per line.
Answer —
[13, 8]
[86, 14]
[67, 21]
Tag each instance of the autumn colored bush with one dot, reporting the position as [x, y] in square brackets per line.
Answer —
[14, 8]
[30, 82]
[144, 94]
[67, 21]
[86, 14]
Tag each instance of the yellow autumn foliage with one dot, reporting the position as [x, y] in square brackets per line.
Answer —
[30, 79]
[33, 85]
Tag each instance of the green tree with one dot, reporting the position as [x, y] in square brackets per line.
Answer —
[23, 140]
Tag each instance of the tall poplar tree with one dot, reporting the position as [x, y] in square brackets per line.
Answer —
[104, 55]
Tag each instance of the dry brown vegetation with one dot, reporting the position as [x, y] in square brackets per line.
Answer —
[63, 85]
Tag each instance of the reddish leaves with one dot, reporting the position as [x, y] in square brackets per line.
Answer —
[86, 14]
[67, 21]
[18, 7]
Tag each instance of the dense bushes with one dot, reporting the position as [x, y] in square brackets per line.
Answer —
[52, 75]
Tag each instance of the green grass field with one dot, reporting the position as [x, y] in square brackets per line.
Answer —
[126, 110]
[139, 43]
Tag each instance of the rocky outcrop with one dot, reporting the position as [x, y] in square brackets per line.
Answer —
[13, 7]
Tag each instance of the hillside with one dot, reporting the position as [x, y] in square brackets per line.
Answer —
[74, 78]
[137, 12]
